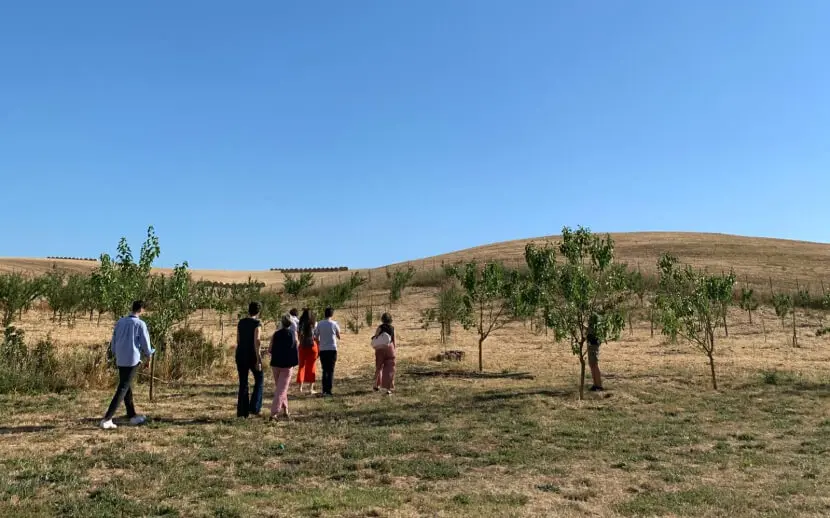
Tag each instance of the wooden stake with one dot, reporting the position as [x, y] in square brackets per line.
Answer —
[152, 375]
[795, 335]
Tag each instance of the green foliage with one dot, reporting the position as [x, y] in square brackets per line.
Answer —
[17, 292]
[369, 316]
[28, 370]
[121, 281]
[169, 305]
[488, 296]
[337, 295]
[398, 280]
[748, 302]
[272, 308]
[586, 291]
[803, 298]
[691, 305]
[783, 304]
[298, 287]
[450, 308]
[190, 353]
[637, 285]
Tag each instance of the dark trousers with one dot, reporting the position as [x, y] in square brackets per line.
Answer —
[327, 360]
[124, 392]
[245, 406]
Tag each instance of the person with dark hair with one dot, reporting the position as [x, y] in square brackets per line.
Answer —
[130, 339]
[385, 357]
[249, 359]
[284, 358]
[328, 333]
[309, 351]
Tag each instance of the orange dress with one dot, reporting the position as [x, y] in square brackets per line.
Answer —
[307, 370]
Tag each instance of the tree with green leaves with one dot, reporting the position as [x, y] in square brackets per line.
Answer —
[298, 287]
[272, 308]
[581, 298]
[17, 293]
[449, 309]
[488, 299]
[121, 281]
[691, 305]
[398, 280]
[748, 302]
[783, 304]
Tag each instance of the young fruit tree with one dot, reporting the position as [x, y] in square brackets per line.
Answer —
[398, 280]
[748, 302]
[488, 299]
[582, 298]
[783, 304]
[17, 293]
[448, 310]
[297, 287]
[691, 305]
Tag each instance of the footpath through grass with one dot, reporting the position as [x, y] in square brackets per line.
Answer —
[448, 444]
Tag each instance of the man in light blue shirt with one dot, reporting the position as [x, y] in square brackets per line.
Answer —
[130, 340]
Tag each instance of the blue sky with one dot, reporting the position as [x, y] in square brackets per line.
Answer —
[260, 134]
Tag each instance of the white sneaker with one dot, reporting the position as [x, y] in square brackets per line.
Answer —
[108, 425]
[138, 420]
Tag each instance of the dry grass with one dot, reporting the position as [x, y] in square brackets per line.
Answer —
[759, 259]
[514, 442]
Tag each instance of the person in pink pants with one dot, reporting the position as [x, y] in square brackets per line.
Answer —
[284, 357]
[385, 358]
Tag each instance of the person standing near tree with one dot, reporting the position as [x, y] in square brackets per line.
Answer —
[328, 333]
[385, 357]
[309, 351]
[249, 359]
[130, 339]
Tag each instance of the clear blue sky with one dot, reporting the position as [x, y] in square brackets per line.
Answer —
[386, 130]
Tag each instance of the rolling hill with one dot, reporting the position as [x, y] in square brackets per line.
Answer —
[758, 259]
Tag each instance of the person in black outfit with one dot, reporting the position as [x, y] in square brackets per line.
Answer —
[249, 359]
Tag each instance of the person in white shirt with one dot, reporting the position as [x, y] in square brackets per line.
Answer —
[328, 333]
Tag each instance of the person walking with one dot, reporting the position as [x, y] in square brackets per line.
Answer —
[328, 333]
[385, 357]
[284, 357]
[309, 351]
[130, 339]
[249, 359]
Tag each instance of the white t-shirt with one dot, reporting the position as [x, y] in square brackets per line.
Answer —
[295, 325]
[326, 332]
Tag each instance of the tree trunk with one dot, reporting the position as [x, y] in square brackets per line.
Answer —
[480, 355]
[630, 325]
[712, 368]
[652, 322]
[725, 327]
[152, 375]
[795, 334]
[750, 317]
[581, 378]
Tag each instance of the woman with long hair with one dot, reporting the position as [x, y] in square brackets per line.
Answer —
[309, 351]
[385, 357]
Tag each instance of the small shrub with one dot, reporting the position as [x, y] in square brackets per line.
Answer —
[823, 331]
[353, 325]
[189, 353]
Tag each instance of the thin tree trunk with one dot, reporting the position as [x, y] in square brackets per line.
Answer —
[630, 325]
[750, 316]
[795, 334]
[725, 327]
[652, 322]
[152, 375]
[764, 328]
[712, 368]
[581, 378]
[480, 355]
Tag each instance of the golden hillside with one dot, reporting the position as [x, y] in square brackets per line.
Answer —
[759, 259]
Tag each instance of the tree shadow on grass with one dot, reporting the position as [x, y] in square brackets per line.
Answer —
[11, 430]
[505, 395]
[458, 373]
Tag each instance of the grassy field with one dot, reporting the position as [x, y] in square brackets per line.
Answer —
[511, 442]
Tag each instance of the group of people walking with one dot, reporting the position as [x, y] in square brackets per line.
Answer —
[297, 344]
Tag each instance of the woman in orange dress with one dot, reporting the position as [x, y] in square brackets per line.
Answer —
[309, 351]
